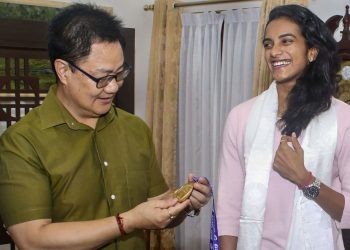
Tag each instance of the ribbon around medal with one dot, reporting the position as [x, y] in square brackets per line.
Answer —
[183, 193]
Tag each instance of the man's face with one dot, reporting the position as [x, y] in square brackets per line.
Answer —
[285, 51]
[81, 97]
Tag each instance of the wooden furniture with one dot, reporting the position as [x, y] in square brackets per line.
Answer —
[343, 77]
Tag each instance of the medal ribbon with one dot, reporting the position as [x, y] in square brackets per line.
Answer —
[214, 237]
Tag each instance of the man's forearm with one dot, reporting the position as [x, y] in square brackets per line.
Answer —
[42, 234]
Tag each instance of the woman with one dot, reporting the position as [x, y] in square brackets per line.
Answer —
[284, 179]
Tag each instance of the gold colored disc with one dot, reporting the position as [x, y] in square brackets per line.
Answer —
[184, 192]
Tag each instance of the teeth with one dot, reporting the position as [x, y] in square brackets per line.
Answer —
[280, 63]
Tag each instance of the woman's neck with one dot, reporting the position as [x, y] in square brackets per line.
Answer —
[283, 92]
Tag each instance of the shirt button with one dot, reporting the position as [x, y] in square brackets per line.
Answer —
[113, 197]
[105, 163]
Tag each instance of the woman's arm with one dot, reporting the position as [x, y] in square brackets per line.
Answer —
[289, 163]
[228, 242]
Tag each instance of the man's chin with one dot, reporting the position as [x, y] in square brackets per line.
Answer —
[102, 112]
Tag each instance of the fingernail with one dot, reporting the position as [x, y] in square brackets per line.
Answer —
[294, 134]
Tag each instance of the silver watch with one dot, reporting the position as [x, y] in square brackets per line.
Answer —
[312, 191]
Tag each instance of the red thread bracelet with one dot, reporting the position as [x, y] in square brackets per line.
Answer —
[120, 224]
[307, 181]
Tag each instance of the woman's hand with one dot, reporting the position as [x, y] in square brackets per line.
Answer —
[201, 193]
[289, 160]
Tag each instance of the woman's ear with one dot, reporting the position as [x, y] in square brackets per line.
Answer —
[63, 71]
[312, 54]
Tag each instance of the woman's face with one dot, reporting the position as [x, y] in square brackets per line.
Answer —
[286, 53]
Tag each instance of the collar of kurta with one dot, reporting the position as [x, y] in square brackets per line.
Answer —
[55, 114]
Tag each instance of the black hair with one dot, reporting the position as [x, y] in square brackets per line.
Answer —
[313, 91]
[72, 32]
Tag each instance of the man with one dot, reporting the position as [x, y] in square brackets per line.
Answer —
[76, 172]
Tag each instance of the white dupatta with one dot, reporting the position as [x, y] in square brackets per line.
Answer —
[311, 227]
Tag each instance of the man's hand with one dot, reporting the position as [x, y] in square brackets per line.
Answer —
[201, 193]
[289, 160]
[153, 214]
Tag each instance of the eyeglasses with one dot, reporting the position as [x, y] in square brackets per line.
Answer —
[105, 80]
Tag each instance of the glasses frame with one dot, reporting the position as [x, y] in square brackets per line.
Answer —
[121, 75]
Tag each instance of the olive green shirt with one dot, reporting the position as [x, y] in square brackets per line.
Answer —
[52, 166]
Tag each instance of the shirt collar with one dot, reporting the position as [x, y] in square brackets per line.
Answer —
[53, 113]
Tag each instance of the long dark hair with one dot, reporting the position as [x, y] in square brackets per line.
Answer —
[312, 93]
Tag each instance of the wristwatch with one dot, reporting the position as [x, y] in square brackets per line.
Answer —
[311, 191]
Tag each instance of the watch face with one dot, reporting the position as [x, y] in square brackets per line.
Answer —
[312, 191]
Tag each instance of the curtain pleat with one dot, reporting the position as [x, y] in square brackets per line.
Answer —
[162, 92]
[200, 63]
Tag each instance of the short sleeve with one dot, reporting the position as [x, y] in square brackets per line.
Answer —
[24, 185]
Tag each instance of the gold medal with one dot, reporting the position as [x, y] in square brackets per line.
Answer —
[184, 192]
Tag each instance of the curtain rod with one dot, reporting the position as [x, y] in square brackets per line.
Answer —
[148, 7]
[184, 4]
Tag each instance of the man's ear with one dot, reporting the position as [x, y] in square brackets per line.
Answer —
[63, 71]
[312, 54]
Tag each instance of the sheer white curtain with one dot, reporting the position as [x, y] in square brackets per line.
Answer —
[200, 65]
[239, 42]
[209, 86]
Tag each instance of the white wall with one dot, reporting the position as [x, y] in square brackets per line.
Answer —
[133, 15]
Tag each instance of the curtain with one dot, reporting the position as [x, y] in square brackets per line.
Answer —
[200, 63]
[262, 76]
[239, 41]
[162, 95]
[209, 86]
